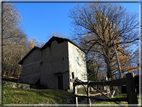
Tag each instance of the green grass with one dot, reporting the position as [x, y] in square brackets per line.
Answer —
[115, 96]
[118, 96]
[35, 96]
[82, 92]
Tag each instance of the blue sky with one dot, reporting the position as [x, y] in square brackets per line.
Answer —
[41, 19]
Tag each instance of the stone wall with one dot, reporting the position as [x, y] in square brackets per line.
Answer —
[15, 85]
[31, 67]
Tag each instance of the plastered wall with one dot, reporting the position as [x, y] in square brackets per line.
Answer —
[31, 67]
[54, 60]
[78, 67]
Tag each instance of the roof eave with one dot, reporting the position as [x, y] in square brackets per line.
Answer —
[21, 62]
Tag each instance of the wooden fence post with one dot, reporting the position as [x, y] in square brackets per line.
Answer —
[108, 89]
[88, 95]
[75, 92]
[130, 85]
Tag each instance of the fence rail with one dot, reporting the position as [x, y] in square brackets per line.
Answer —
[129, 81]
[117, 82]
[100, 99]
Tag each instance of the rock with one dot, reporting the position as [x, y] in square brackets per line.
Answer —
[14, 86]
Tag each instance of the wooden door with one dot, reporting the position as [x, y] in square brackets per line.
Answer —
[60, 82]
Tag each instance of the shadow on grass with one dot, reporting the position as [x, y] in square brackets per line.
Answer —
[54, 96]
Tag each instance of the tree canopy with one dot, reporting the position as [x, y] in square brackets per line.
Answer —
[14, 40]
[97, 26]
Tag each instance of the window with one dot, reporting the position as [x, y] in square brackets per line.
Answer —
[77, 60]
[72, 75]
[63, 58]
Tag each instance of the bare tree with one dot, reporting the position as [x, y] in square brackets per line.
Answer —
[36, 42]
[14, 40]
[55, 33]
[11, 20]
[103, 22]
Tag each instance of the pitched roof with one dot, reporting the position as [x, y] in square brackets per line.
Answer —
[34, 48]
[60, 40]
[48, 44]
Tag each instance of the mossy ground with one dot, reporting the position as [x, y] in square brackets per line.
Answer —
[44, 96]
[35, 96]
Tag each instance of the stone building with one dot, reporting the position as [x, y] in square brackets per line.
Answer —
[31, 66]
[55, 64]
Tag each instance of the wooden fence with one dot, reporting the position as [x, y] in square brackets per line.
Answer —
[129, 81]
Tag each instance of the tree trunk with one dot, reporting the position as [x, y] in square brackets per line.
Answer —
[109, 71]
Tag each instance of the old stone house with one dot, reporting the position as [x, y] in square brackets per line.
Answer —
[55, 64]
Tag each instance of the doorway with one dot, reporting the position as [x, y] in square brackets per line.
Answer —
[60, 82]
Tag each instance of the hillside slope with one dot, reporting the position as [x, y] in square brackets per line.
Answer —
[35, 96]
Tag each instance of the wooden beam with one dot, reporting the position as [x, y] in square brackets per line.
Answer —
[118, 82]
[88, 94]
[75, 92]
[101, 99]
[83, 83]
[137, 79]
[130, 86]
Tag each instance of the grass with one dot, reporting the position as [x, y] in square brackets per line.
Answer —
[118, 96]
[35, 96]
[44, 96]
[82, 92]
[115, 96]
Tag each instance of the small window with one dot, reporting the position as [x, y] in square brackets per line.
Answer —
[72, 75]
[41, 63]
[77, 60]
